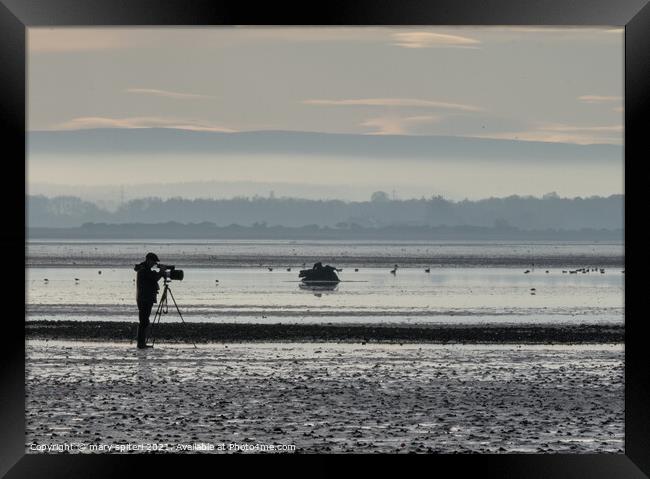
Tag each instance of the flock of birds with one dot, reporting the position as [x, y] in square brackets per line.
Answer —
[579, 270]
[426, 270]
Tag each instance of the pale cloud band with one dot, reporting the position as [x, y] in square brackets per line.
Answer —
[394, 102]
[167, 94]
[557, 133]
[586, 129]
[599, 99]
[430, 40]
[397, 125]
[140, 122]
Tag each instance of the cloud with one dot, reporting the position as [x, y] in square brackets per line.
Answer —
[599, 99]
[397, 125]
[584, 129]
[558, 133]
[395, 102]
[166, 94]
[430, 39]
[87, 122]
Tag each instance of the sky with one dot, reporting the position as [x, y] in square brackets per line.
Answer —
[517, 83]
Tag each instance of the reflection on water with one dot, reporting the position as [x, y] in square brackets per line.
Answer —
[318, 287]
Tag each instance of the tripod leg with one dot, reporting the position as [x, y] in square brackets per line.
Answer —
[156, 318]
[179, 311]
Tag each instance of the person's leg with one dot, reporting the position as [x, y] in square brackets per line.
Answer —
[144, 310]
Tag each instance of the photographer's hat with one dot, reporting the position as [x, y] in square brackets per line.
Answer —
[152, 256]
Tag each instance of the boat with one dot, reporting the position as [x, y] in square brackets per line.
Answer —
[319, 274]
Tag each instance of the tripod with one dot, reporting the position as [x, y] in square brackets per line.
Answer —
[163, 308]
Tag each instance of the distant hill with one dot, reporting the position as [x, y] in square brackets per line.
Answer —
[165, 140]
[526, 213]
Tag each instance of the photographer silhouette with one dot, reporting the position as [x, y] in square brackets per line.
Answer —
[146, 295]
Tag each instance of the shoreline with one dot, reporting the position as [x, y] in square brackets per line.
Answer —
[353, 333]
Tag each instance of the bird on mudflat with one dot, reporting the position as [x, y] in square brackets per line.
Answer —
[428, 270]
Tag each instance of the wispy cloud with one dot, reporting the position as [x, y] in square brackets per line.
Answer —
[167, 94]
[583, 129]
[87, 122]
[431, 39]
[559, 133]
[397, 125]
[394, 102]
[599, 99]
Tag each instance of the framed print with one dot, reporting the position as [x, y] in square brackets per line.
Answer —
[364, 229]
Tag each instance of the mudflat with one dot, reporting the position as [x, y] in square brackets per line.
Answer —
[328, 396]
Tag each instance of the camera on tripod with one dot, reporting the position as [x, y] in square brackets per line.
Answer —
[170, 272]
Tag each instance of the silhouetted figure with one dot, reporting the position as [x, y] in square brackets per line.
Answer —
[146, 294]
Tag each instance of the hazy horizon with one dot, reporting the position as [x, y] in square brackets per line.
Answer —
[111, 196]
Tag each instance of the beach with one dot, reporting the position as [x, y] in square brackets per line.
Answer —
[479, 352]
[326, 397]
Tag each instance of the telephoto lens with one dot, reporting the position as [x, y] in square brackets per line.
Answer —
[170, 272]
[176, 274]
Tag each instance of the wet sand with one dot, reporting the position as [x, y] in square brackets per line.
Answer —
[381, 332]
[329, 397]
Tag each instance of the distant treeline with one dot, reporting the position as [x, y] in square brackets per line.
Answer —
[525, 213]
[173, 230]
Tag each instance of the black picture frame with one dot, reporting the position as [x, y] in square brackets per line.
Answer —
[17, 15]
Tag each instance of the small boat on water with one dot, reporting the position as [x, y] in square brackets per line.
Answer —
[319, 274]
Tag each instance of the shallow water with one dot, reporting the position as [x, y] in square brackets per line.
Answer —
[445, 294]
[460, 293]
[286, 253]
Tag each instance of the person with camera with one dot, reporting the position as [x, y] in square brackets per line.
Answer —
[147, 292]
